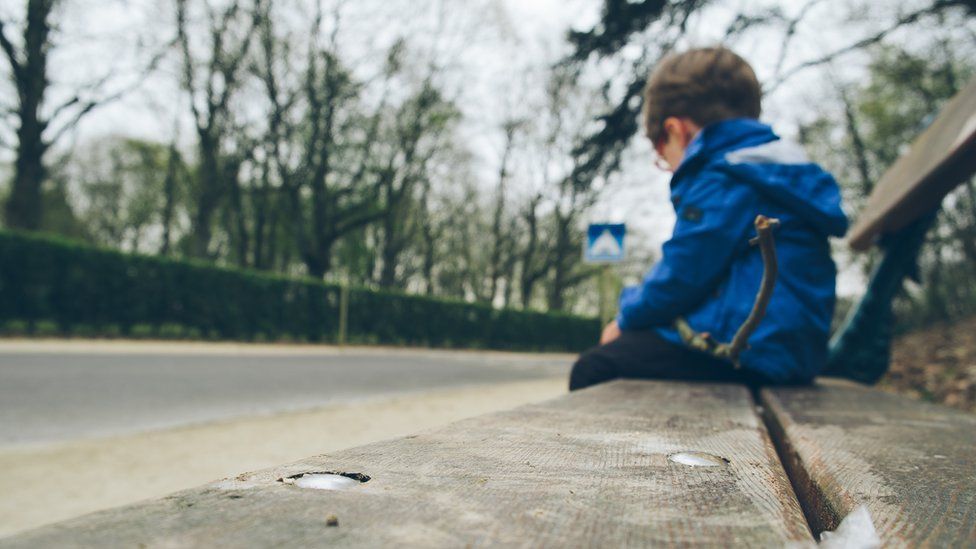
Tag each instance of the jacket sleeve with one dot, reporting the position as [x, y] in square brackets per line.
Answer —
[715, 220]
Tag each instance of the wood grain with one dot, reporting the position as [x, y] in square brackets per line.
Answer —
[943, 156]
[587, 469]
[912, 463]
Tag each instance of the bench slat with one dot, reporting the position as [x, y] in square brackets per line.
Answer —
[587, 469]
[912, 463]
[943, 156]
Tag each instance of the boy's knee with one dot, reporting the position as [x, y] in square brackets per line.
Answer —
[591, 368]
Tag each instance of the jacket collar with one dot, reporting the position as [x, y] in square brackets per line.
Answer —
[718, 138]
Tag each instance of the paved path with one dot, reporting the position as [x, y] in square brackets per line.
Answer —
[61, 391]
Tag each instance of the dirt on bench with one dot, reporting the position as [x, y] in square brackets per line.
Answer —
[937, 364]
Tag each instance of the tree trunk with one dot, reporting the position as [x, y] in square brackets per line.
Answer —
[23, 208]
[319, 261]
[495, 263]
[857, 146]
[531, 272]
[391, 248]
[169, 197]
[208, 197]
[429, 236]
[240, 222]
[24, 204]
[261, 204]
[428, 265]
[561, 262]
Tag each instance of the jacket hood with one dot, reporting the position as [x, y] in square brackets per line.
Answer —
[749, 151]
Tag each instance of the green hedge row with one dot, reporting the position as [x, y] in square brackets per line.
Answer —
[74, 286]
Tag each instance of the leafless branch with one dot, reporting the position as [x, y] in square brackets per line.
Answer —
[184, 41]
[747, 21]
[767, 248]
[11, 53]
[77, 98]
[902, 21]
[740, 342]
[791, 32]
[230, 69]
[87, 106]
[681, 12]
[358, 217]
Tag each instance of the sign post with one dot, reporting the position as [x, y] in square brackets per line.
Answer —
[343, 312]
[606, 311]
[605, 246]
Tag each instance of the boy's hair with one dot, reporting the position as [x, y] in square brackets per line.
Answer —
[706, 85]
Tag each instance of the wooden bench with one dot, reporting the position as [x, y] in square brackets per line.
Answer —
[635, 463]
[913, 464]
[901, 209]
[614, 465]
[590, 468]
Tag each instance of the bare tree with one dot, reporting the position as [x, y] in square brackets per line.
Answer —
[327, 177]
[500, 237]
[417, 126]
[567, 270]
[211, 80]
[39, 128]
[446, 217]
[564, 192]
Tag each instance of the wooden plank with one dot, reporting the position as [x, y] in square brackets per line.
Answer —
[942, 157]
[913, 464]
[587, 469]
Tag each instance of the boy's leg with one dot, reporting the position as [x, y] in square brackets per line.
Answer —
[645, 355]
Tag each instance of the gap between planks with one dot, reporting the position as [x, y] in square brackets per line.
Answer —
[819, 514]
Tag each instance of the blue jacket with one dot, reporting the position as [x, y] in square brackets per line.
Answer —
[709, 274]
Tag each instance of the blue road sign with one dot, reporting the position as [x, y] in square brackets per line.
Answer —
[605, 243]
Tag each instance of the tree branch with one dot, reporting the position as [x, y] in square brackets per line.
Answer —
[188, 77]
[89, 106]
[740, 342]
[230, 70]
[11, 53]
[908, 19]
[77, 97]
[791, 32]
[92, 104]
[352, 222]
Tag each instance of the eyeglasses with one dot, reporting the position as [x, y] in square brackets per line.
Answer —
[659, 161]
[657, 145]
[662, 164]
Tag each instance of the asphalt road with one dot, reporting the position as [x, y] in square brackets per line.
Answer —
[52, 395]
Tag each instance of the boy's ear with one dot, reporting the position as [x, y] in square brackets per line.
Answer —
[672, 127]
[681, 130]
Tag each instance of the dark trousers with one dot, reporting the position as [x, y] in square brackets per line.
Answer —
[646, 355]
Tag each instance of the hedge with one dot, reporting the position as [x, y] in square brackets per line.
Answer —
[81, 288]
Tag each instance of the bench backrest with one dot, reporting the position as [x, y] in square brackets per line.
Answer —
[943, 156]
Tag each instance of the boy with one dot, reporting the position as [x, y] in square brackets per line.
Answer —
[700, 113]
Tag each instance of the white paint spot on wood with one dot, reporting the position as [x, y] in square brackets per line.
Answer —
[697, 459]
[326, 480]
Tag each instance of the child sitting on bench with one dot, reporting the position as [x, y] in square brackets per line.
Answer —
[701, 111]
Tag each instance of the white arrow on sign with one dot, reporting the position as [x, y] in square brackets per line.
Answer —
[605, 245]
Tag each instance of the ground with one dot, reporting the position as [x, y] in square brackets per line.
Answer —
[936, 364]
